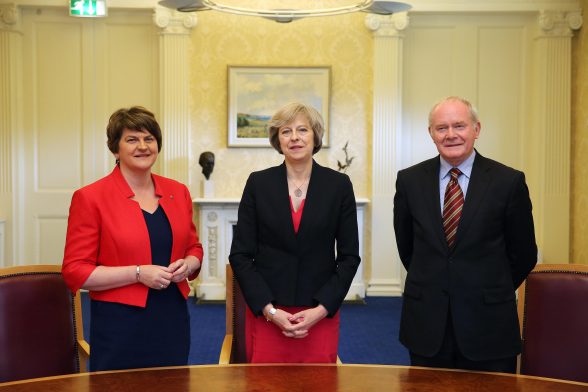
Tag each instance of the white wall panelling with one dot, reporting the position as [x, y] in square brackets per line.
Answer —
[516, 70]
[551, 125]
[76, 72]
[175, 90]
[10, 108]
[9, 46]
[385, 278]
[2, 241]
[519, 78]
[216, 218]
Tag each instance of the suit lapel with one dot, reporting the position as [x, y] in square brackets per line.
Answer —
[432, 188]
[477, 187]
[283, 203]
[313, 191]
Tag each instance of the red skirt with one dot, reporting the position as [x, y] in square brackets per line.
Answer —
[266, 343]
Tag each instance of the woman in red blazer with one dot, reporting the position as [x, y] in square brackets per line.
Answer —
[132, 243]
[291, 219]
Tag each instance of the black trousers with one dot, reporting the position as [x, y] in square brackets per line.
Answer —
[450, 357]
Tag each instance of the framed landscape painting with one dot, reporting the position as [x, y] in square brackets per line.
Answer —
[256, 93]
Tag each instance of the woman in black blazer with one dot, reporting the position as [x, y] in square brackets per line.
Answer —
[295, 247]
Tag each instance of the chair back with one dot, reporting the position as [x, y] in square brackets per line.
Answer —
[553, 306]
[235, 320]
[39, 325]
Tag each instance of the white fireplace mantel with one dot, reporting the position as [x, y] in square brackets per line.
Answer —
[216, 218]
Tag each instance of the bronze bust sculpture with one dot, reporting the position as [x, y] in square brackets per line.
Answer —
[207, 162]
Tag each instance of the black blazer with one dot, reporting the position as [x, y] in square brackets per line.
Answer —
[494, 251]
[273, 264]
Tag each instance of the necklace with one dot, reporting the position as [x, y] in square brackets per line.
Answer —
[298, 191]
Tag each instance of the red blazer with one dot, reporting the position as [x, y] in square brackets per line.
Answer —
[106, 227]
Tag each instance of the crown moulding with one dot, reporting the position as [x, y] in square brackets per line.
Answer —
[417, 5]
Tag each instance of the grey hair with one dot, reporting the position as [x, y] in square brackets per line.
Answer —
[471, 109]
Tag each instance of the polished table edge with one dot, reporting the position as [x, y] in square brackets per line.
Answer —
[89, 374]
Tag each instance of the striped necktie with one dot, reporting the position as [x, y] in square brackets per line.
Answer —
[452, 206]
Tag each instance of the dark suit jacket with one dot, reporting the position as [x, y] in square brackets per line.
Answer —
[494, 251]
[106, 227]
[274, 264]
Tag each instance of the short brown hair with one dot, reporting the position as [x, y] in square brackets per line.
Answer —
[288, 113]
[135, 118]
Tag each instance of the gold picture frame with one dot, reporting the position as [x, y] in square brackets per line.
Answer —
[256, 93]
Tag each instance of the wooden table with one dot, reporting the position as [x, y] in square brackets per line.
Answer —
[293, 378]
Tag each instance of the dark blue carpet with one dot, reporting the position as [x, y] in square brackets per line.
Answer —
[369, 333]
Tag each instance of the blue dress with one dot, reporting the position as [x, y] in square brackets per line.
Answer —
[126, 337]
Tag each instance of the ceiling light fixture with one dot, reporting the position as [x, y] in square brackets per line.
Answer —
[285, 11]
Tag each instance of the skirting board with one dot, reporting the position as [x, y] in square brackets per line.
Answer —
[384, 288]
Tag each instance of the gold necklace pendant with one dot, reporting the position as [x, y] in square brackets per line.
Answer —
[298, 192]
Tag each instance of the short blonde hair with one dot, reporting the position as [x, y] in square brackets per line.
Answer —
[288, 113]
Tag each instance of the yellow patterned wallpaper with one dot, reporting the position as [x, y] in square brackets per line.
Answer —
[579, 203]
[219, 40]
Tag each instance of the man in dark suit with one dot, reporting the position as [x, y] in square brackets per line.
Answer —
[466, 238]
